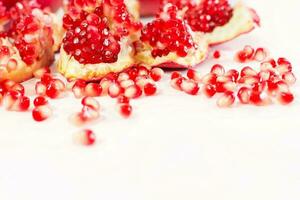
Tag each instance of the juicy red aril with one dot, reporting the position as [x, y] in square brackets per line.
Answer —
[126, 83]
[123, 76]
[150, 89]
[209, 90]
[85, 137]
[248, 71]
[52, 91]
[123, 100]
[244, 95]
[175, 75]
[260, 54]
[259, 98]
[156, 74]
[78, 88]
[46, 78]
[86, 115]
[40, 101]
[125, 110]
[210, 78]
[176, 83]
[90, 102]
[285, 98]
[194, 75]
[226, 100]
[208, 15]
[23, 103]
[289, 78]
[166, 36]
[40, 88]
[18, 87]
[41, 113]
[89, 40]
[93, 90]
[133, 92]
[190, 87]
[233, 74]
[115, 90]
[217, 54]
[143, 71]
[218, 70]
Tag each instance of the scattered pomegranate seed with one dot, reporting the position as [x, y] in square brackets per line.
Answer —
[123, 76]
[218, 70]
[115, 90]
[85, 137]
[46, 78]
[156, 74]
[210, 78]
[41, 113]
[232, 74]
[175, 75]
[289, 78]
[194, 75]
[244, 95]
[217, 54]
[91, 102]
[282, 86]
[209, 90]
[18, 87]
[11, 65]
[260, 54]
[176, 83]
[40, 101]
[248, 71]
[123, 100]
[40, 88]
[10, 99]
[126, 83]
[125, 110]
[23, 103]
[190, 87]
[52, 90]
[86, 115]
[285, 98]
[105, 83]
[150, 89]
[93, 90]
[259, 98]
[133, 92]
[226, 100]
[79, 88]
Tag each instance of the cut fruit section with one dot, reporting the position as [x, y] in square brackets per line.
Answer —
[91, 49]
[26, 41]
[168, 41]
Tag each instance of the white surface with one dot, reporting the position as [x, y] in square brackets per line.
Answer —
[175, 146]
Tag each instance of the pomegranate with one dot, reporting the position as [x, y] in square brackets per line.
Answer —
[97, 41]
[168, 42]
[27, 42]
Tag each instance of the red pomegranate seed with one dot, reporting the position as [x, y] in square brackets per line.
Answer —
[40, 88]
[259, 98]
[52, 90]
[156, 74]
[7, 85]
[123, 76]
[210, 78]
[86, 115]
[241, 57]
[217, 54]
[133, 92]
[218, 70]
[23, 103]
[90, 102]
[249, 51]
[40, 101]
[41, 113]
[190, 87]
[232, 74]
[289, 78]
[264, 75]
[59, 84]
[150, 89]
[18, 87]
[244, 95]
[283, 68]
[125, 110]
[248, 71]
[93, 90]
[282, 86]
[272, 62]
[283, 61]
[226, 100]
[46, 78]
[105, 83]
[10, 99]
[260, 54]
[115, 90]
[209, 90]
[123, 100]
[141, 81]
[85, 137]
[79, 88]
[175, 75]
[126, 83]
[133, 73]
[249, 80]
[143, 71]
[176, 83]
[285, 98]
[194, 75]
[230, 86]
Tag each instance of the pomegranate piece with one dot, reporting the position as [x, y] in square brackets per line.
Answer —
[150, 89]
[209, 90]
[285, 98]
[226, 100]
[125, 110]
[156, 74]
[85, 137]
[41, 113]
[40, 101]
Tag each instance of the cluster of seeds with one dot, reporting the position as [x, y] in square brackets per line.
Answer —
[248, 54]
[249, 86]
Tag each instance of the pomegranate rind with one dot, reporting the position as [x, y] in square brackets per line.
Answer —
[133, 7]
[243, 21]
[172, 60]
[72, 69]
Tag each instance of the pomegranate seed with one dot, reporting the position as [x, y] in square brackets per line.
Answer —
[229, 86]
[141, 81]
[176, 83]
[244, 95]
[282, 86]
[217, 54]
[52, 90]
[18, 87]
[260, 54]
[10, 99]
[272, 62]
[226, 100]
[40, 88]
[125, 110]
[133, 92]
[143, 71]
[105, 83]
[46, 78]
[285, 98]
[123, 100]
[233, 74]
[126, 83]
[123, 76]
[7, 85]
[259, 98]
[114, 90]
[289, 78]
[133, 73]
[249, 51]
[41, 113]
[264, 75]
[86, 115]
[12, 65]
[249, 80]
[283, 61]
[156, 74]
[248, 71]
[210, 78]
[40, 101]
[93, 90]
[91, 102]
[85, 137]
[175, 75]
[209, 90]
[59, 84]
[190, 87]
[149, 89]
[241, 57]
[79, 88]
[283, 68]
[194, 75]
[23, 103]
[218, 70]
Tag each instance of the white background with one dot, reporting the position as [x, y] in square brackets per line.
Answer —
[174, 147]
